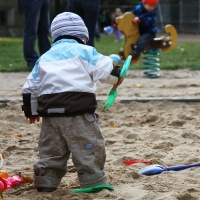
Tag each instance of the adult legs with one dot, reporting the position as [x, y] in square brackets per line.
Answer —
[88, 10]
[31, 10]
[142, 42]
[44, 27]
[75, 6]
[90, 15]
[97, 34]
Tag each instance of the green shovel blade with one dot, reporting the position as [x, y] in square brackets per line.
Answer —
[113, 93]
[111, 98]
[96, 188]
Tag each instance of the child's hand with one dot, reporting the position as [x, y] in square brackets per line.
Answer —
[119, 81]
[136, 20]
[117, 84]
[32, 120]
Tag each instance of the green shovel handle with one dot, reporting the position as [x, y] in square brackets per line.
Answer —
[125, 67]
[114, 92]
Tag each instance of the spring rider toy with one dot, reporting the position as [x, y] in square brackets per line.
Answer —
[131, 32]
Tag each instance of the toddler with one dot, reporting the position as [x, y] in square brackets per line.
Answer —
[61, 89]
[145, 13]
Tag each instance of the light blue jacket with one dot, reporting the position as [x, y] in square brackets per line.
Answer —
[62, 83]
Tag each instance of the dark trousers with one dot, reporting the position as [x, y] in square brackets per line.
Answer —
[88, 10]
[142, 42]
[37, 25]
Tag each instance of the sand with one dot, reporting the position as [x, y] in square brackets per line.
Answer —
[165, 132]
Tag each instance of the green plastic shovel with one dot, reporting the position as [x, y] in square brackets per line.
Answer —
[96, 188]
[114, 92]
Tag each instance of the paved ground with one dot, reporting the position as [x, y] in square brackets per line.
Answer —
[187, 37]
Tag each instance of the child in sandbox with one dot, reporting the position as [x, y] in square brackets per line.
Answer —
[117, 32]
[145, 17]
[61, 89]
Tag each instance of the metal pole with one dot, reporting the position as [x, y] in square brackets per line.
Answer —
[121, 100]
[156, 99]
[162, 99]
[161, 16]
[181, 16]
[199, 15]
[8, 100]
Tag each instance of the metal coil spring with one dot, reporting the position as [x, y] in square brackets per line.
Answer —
[151, 63]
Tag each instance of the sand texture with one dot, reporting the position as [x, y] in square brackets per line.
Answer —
[166, 132]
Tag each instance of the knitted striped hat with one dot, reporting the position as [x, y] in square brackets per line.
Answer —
[68, 23]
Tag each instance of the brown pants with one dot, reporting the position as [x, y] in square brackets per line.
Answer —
[60, 136]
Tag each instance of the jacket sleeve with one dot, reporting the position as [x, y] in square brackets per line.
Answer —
[102, 69]
[137, 9]
[148, 18]
[29, 93]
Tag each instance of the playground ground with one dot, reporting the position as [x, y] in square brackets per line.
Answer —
[165, 132]
[188, 37]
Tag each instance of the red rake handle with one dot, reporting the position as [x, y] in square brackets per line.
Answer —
[130, 162]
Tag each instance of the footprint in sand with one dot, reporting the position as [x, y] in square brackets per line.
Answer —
[187, 196]
[190, 136]
[177, 123]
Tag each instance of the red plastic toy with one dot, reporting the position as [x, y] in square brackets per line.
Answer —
[10, 182]
[130, 162]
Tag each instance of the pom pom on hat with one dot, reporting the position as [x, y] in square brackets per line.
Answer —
[68, 23]
[150, 2]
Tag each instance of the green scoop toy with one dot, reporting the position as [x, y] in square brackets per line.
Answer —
[114, 92]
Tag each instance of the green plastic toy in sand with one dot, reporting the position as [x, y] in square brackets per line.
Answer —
[114, 92]
[96, 188]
